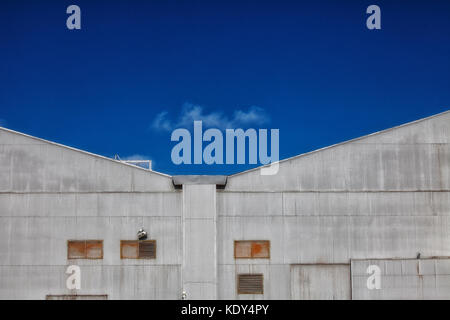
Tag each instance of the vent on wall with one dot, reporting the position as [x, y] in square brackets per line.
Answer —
[85, 249]
[135, 249]
[250, 284]
[252, 249]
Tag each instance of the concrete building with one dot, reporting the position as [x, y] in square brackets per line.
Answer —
[309, 232]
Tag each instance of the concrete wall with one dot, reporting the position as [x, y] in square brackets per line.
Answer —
[320, 282]
[199, 268]
[50, 194]
[403, 279]
[117, 281]
[383, 196]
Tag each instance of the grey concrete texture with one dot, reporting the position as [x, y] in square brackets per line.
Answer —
[199, 268]
[403, 279]
[26, 282]
[308, 281]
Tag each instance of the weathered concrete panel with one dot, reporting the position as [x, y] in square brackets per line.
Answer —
[91, 204]
[333, 203]
[8, 137]
[320, 282]
[199, 201]
[403, 279]
[199, 220]
[367, 203]
[337, 239]
[43, 240]
[356, 167]
[249, 203]
[200, 255]
[118, 282]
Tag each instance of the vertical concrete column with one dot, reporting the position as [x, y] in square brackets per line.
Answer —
[199, 221]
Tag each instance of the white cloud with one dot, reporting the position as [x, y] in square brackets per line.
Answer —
[254, 114]
[216, 119]
[161, 122]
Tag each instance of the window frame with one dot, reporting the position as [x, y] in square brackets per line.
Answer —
[137, 244]
[85, 257]
[251, 249]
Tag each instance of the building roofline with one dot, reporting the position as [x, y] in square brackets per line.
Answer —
[84, 152]
[344, 142]
[197, 179]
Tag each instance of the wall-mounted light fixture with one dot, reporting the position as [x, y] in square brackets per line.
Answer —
[142, 234]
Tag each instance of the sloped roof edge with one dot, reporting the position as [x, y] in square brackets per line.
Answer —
[345, 142]
[239, 173]
[84, 152]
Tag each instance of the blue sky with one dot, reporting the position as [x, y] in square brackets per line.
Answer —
[138, 68]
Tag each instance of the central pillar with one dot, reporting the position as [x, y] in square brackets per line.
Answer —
[199, 222]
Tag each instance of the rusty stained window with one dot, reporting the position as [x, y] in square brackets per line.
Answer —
[135, 249]
[252, 249]
[250, 284]
[85, 249]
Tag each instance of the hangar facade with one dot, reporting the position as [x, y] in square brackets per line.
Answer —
[308, 232]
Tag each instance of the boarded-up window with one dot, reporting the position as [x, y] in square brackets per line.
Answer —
[250, 284]
[252, 249]
[129, 249]
[134, 249]
[85, 249]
